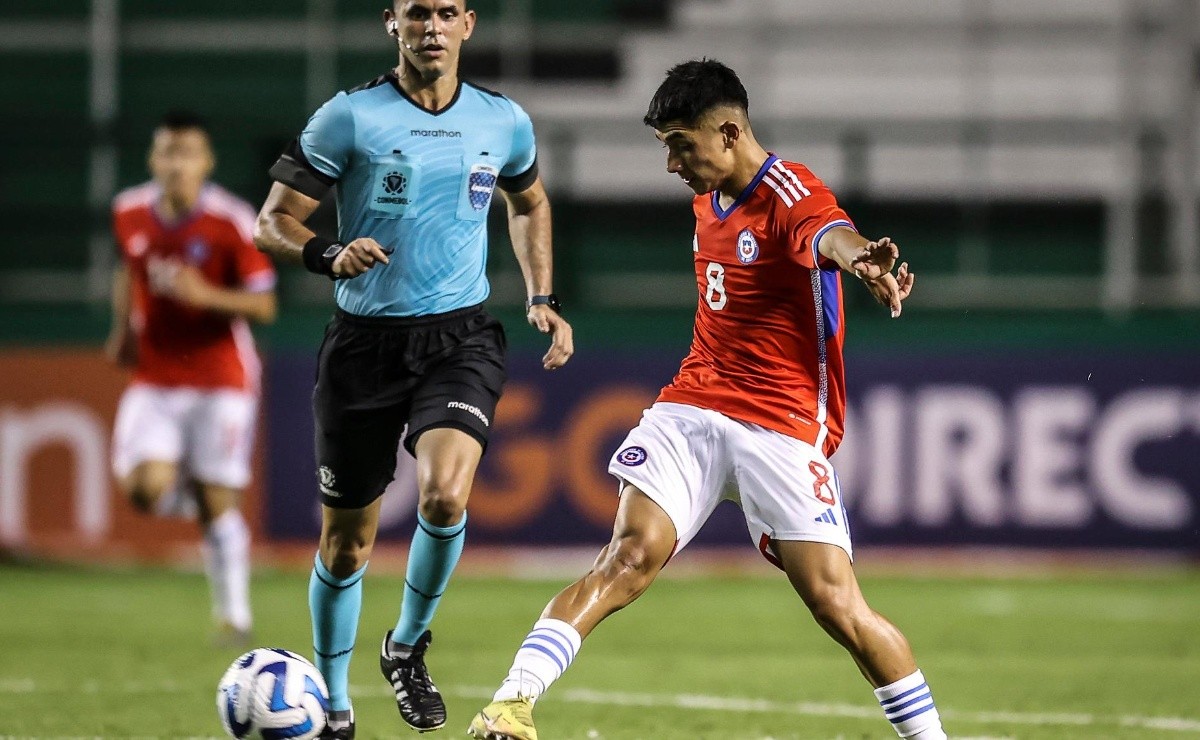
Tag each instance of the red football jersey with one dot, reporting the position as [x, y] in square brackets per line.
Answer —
[767, 345]
[179, 345]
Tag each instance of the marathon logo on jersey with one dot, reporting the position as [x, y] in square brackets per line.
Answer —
[435, 133]
[472, 410]
[196, 251]
[480, 185]
[632, 456]
[325, 481]
[747, 247]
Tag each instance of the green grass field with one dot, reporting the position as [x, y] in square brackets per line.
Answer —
[88, 653]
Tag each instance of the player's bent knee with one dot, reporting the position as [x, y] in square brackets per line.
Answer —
[839, 612]
[141, 499]
[631, 565]
[344, 556]
[147, 483]
[443, 504]
[344, 563]
[216, 500]
[144, 494]
[442, 511]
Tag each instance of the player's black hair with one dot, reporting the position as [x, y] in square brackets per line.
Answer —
[692, 89]
[179, 119]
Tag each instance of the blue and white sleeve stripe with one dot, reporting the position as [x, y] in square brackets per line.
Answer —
[816, 240]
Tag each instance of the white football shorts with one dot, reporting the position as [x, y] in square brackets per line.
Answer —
[688, 459]
[209, 433]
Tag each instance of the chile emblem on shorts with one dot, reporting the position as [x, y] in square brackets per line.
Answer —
[747, 247]
[632, 456]
[480, 185]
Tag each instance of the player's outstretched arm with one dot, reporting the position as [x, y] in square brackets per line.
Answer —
[529, 229]
[871, 262]
[121, 347]
[280, 232]
[190, 288]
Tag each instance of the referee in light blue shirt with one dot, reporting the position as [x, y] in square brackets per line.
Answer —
[416, 155]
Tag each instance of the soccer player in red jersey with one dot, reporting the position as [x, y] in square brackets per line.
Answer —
[190, 278]
[754, 413]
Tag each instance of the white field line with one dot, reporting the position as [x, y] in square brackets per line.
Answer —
[811, 709]
[18, 685]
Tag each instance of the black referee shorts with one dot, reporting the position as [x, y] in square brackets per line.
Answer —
[377, 374]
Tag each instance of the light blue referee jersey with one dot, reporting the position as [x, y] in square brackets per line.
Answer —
[420, 184]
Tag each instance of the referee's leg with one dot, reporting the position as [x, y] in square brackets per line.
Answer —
[446, 461]
[347, 538]
[335, 595]
[356, 458]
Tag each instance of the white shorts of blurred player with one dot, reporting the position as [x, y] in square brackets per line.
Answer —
[209, 434]
[688, 459]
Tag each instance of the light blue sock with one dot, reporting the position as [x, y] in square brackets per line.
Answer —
[431, 560]
[335, 604]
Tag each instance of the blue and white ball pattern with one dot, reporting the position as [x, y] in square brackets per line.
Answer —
[272, 694]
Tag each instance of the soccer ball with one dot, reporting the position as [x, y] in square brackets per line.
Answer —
[271, 693]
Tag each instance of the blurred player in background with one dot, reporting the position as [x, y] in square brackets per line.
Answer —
[754, 413]
[416, 155]
[190, 279]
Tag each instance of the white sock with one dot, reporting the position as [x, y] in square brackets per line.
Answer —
[227, 563]
[908, 705]
[545, 654]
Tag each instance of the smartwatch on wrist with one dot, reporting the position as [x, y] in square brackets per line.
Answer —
[550, 300]
[319, 254]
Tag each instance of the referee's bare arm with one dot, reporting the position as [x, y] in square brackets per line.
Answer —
[280, 232]
[529, 229]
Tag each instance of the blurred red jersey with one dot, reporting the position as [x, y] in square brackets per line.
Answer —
[767, 345]
[179, 345]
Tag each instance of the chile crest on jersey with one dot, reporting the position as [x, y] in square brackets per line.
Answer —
[747, 247]
[196, 252]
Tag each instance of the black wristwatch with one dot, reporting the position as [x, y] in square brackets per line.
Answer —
[319, 254]
[545, 300]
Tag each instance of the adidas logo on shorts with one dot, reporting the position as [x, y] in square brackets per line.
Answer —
[827, 517]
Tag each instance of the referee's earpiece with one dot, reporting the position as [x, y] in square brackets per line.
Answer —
[394, 30]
